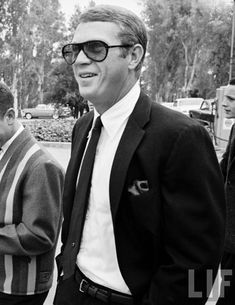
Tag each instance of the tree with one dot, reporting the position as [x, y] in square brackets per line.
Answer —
[62, 87]
[46, 28]
[220, 45]
[73, 22]
[31, 33]
[187, 38]
[188, 50]
[13, 17]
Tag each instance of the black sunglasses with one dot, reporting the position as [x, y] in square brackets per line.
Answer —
[95, 50]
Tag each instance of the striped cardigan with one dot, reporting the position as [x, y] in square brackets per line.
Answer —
[30, 216]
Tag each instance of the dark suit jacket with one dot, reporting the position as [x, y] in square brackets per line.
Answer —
[228, 169]
[171, 225]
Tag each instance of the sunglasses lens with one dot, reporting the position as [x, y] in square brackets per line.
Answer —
[70, 53]
[95, 50]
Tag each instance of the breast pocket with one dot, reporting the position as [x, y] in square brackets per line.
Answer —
[146, 209]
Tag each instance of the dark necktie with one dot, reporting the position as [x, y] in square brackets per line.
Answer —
[82, 194]
[84, 181]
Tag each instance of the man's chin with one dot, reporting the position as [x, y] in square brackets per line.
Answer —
[229, 116]
[84, 94]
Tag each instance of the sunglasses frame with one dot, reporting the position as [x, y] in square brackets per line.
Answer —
[81, 48]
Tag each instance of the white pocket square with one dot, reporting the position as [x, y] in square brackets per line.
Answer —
[138, 187]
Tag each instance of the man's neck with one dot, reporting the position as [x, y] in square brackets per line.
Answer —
[15, 127]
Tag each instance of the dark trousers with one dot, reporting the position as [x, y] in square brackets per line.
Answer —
[227, 289]
[67, 293]
[36, 299]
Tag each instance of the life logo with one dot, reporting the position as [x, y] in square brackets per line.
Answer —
[212, 287]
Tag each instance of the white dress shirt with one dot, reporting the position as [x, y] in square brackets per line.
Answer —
[97, 257]
[8, 143]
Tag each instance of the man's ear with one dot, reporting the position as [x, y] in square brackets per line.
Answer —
[10, 116]
[136, 53]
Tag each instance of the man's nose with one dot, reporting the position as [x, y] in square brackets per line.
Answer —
[224, 102]
[82, 58]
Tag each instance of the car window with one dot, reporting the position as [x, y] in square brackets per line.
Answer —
[205, 106]
[189, 103]
[41, 106]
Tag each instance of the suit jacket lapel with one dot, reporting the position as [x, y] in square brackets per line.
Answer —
[130, 140]
[79, 144]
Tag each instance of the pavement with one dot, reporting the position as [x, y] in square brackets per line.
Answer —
[61, 152]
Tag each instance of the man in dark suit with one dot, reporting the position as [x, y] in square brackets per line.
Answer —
[227, 291]
[148, 226]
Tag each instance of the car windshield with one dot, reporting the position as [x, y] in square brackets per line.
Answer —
[190, 103]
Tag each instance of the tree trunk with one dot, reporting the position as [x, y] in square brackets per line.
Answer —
[40, 81]
[15, 91]
[186, 66]
[189, 85]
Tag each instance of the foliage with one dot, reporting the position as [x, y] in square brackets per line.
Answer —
[51, 130]
[62, 88]
[188, 48]
[32, 30]
[73, 22]
[61, 82]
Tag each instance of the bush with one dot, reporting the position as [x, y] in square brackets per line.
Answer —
[51, 130]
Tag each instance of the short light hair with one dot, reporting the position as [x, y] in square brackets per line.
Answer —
[132, 29]
[6, 99]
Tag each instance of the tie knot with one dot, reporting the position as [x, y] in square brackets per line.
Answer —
[98, 124]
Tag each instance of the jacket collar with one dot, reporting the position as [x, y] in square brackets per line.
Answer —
[16, 146]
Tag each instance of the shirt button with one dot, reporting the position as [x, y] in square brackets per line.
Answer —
[73, 245]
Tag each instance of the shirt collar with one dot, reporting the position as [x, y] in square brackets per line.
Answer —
[8, 143]
[115, 116]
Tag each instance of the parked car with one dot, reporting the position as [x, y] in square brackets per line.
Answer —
[167, 104]
[45, 111]
[206, 116]
[206, 112]
[185, 104]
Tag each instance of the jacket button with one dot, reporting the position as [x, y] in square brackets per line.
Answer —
[73, 245]
[228, 182]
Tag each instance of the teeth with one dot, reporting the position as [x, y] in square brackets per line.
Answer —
[85, 75]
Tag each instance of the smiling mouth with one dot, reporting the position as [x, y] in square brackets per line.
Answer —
[87, 75]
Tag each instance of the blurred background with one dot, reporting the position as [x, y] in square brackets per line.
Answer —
[190, 51]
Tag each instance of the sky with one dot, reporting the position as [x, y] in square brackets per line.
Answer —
[67, 6]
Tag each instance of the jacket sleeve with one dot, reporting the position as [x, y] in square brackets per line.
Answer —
[40, 196]
[193, 221]
[225, 157]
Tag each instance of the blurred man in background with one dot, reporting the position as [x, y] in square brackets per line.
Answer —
[228, 169]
